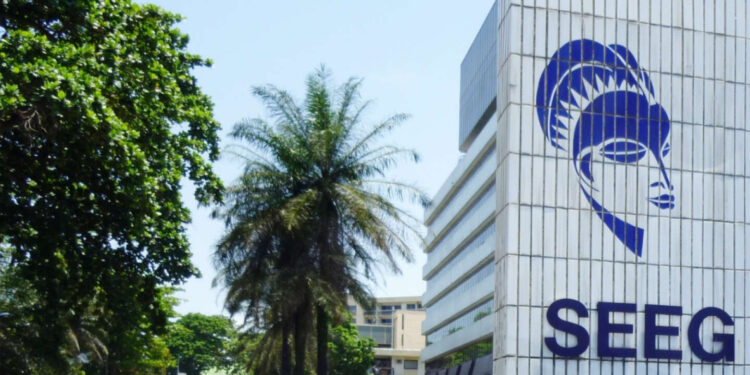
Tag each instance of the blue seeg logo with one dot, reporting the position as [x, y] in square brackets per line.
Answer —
[596, 103]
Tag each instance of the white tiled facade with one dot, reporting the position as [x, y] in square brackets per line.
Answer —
[461, 237]
[550, 244]
[460, 263]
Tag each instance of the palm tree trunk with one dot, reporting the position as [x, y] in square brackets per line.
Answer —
[300, 338]
[322, 323]
[286, 355]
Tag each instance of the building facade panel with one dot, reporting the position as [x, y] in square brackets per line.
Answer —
[462, 265]
[474, 289]
[478, 81]
[463, 231]
[478, 331]
[481, 176]
[466, 164]
[460, 249]
[622, 187]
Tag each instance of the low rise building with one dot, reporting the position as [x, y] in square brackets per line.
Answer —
[395, 326]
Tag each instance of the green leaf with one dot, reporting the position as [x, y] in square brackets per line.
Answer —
[90, 196]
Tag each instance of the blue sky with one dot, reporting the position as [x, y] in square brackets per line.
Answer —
[408, 52]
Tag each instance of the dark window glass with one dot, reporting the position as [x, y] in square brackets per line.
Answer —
[410, 365]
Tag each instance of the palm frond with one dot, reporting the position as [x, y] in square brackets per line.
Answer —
[377, 131]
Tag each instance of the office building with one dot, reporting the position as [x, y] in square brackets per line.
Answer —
[603, 188]
[461, 239]
[395, 326]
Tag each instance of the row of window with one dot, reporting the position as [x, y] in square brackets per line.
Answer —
[409, 306]
[375, 321]
[461, 322]
[440, 252]
[383, 336]
[387, 309]
[384, 364]
[478, 87]
[450, 298]
[410, 364]
[466, 190]
[470, 250]
[464, 357]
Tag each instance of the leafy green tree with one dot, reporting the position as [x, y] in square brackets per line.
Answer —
[16, 329]
[139, 349]
[100, 120]
[313, 202]
[89, 347]
[350, 354]
[157, 359]
[201, 342]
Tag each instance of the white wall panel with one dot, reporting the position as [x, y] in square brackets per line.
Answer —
[551, 242]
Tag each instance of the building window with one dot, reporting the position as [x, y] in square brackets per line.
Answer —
[481, 351]
[441, 249]
[353, 309]
[383, 336]
[411, 365]
[448, 299]
[463, 321]
[386, 321]
[386, 307]
[472, 250]
[383, 363]
[397, 307]
[411, 306]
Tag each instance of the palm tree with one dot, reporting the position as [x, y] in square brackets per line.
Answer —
[262, 270]
[313, 210]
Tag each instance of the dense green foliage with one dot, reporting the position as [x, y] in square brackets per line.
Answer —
[349, 353]
[100, 119]
[16, 329]
[311, 209]
[201, 342]
[92, 350]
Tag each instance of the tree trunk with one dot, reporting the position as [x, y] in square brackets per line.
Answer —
[300, 338]
[322, 322]
[286, 355]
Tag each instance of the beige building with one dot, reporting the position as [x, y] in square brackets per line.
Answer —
[396, 326]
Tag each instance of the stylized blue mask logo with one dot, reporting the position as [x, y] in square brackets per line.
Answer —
[595, 102]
